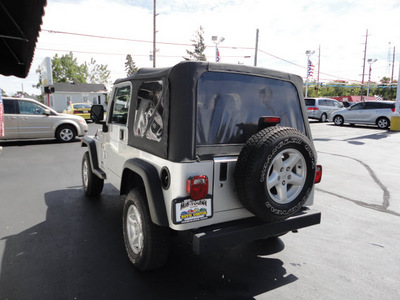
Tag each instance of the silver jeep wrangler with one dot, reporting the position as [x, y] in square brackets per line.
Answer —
[223, 152]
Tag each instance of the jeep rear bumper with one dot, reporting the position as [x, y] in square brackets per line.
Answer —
[245, 231]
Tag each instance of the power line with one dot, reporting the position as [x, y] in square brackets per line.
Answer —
[173, 44]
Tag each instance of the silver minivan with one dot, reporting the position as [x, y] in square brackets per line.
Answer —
[29, 119]
[321, 108]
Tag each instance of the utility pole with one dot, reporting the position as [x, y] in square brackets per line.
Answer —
[319, 61]
[365, 55]
[391, 78]
[154, 34]
[255, 54]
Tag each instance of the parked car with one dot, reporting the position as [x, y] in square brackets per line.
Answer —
[368, 112]
[321, 108]
[79, 109]
[29, 119]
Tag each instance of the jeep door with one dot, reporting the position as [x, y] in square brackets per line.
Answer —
[117, 136]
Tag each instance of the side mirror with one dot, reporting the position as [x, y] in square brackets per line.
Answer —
[97, 115]
[47, 112]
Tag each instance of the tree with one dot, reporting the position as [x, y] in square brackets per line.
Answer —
[130, 66]
[199, 47]
[97, 73]
[67, 69]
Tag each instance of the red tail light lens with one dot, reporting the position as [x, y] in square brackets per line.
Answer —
[312, 108]
[393, 109]
[272, 120]
[318, 174]
[197, 187]
[76, 111]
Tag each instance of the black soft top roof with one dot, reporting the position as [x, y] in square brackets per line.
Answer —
[178, 141]
[195, 69]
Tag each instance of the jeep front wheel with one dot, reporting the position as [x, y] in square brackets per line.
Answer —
[146, 243]
[92, 185]
[275, 173]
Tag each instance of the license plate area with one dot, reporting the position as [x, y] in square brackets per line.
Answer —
[187, 210]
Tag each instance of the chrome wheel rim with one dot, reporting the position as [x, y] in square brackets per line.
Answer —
[286, 176]
[338, 121]
[85, 176]
[134, 228]
[66, 134]
[382, 123]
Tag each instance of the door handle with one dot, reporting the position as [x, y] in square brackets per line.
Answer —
[121, 134]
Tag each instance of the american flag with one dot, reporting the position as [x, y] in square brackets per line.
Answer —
[310, 68]
[1, 116]
[218, 57]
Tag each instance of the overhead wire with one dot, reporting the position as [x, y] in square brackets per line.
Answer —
[170, 43]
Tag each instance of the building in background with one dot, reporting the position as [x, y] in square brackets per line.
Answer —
[60, 95]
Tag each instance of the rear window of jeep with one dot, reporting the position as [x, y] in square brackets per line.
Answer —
[230, 105]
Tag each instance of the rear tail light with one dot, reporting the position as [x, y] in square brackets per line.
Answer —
[318, 174]
[312, 108]
[393, 109]
[265, 122]
[197, 187]
[76, 111]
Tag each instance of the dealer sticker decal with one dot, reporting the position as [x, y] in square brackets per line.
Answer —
[190, 211]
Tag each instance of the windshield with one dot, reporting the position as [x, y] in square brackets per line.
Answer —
[230, 105]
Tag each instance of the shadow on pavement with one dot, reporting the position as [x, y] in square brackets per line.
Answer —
[78, 253]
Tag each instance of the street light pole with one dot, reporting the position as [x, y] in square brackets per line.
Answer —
[216, 41]
[308, 53]
[370, 61]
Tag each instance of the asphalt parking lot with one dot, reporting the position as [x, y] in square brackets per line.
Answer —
[54, 244]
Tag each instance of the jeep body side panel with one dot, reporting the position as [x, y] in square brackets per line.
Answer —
[91, 144]
[152, 183]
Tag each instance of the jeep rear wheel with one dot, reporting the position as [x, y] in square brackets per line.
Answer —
[146, 243]
[275, 173]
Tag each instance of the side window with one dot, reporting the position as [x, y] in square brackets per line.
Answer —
[30, 108]
[358, 106]
[121, 102]
[149, 112]
[370, 105]
[10, 106]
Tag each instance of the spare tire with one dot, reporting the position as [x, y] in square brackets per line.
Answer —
[275, 172]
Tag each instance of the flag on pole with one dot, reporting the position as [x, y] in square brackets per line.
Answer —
[1, 116]
[310, 68]
[217, 56]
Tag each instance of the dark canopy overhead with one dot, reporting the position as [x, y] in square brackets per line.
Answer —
[20, 22]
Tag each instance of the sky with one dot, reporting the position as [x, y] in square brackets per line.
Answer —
[335, 29]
